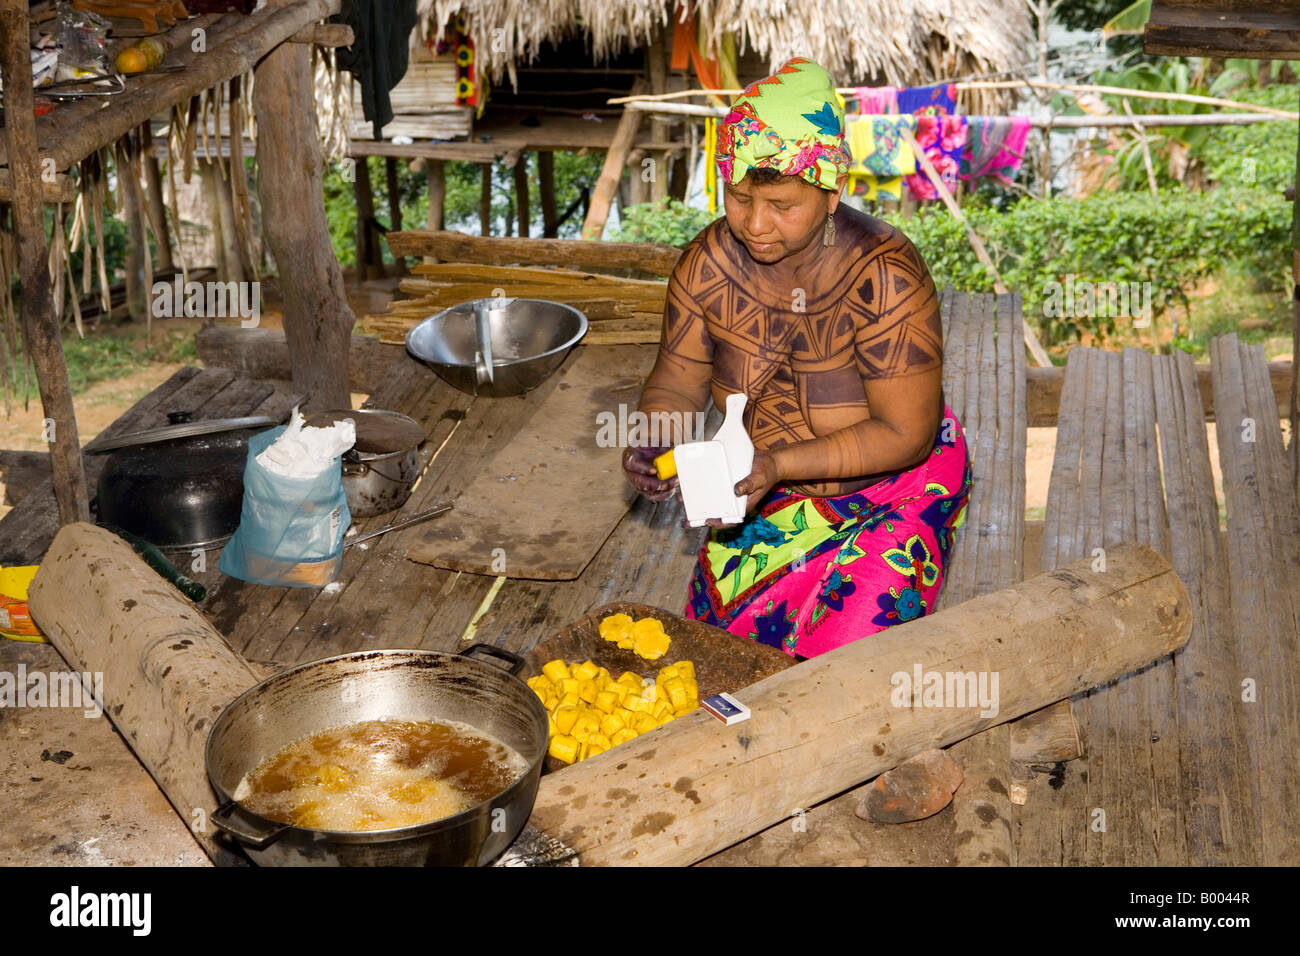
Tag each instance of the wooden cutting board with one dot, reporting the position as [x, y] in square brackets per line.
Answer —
[550, 499]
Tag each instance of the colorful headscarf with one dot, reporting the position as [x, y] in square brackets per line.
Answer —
[792, 122]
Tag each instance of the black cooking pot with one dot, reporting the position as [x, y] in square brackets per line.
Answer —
[181, 486]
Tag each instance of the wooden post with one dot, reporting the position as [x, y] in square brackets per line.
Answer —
[166, 673]
[485, 201]
[611, 174]
[521, 195]
[363, 191]
[212, 200]
[1295, 327]
[40, 324]
[546, 186]
[231, 252]
[435, 176]
[317, 320]
[688, 789]
[394, 202]
[660, 125]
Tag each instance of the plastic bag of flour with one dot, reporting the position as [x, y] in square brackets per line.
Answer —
[295, 511]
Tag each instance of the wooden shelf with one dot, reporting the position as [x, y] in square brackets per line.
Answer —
[234, 44]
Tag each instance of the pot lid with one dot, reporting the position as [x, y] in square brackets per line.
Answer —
[379, 432]
[151, 436]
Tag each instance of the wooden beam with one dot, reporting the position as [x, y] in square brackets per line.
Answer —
[325, 34]
[40, 324]
[655, 258]
[394, 203]
[546, 186]
[1222, 30]
[615, 157]
[695, 786]
[317, 320]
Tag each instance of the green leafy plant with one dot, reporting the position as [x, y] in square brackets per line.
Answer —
[668, 221]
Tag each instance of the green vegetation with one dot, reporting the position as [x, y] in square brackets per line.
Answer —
[103, 355]
[669, 221]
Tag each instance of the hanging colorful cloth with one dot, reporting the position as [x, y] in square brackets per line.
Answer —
[881, 157]
[770, 126]
[928, 100]
[943, 138]
[995, 146]
[877, 99]
[456, 39]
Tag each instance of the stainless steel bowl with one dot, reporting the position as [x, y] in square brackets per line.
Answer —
[530, 339]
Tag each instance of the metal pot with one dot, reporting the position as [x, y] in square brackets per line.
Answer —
[376, 685]
[181, 486]
[380, 470]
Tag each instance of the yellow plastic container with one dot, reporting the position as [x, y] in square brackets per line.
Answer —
[15, 619]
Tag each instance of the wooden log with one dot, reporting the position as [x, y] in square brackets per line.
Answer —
[367, 248]
[166, 673]
[546, 186]
[264, 354]
[655, 258]
[691, 788]
[40, 324]
[610, 175]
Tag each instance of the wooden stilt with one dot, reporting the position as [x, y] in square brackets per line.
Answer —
[212, 201]
[660, 125]
[137, 306]
[436, 177]
[317, 320]
[546, 186]
[40, 324]
[365, 241]
[235, 262]
[485, 202]
[521, 195]
[394, 202]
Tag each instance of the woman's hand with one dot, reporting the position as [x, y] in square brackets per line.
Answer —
[763, 476]
[639, 470]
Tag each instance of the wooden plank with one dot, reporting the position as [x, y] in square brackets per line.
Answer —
[557, 461]
[1263, 595]
[650, 257]
[1218, 826]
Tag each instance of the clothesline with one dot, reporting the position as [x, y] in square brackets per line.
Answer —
[1073, 88]
[1054, 123]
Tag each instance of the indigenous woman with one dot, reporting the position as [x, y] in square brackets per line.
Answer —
[828, 321]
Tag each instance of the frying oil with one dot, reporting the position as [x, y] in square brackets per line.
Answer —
[380, 774]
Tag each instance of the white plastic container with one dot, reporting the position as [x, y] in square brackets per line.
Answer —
[707, 471]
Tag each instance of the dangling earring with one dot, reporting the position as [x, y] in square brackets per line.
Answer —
[828, 235]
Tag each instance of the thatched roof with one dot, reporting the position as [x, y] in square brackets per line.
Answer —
[895, 41]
